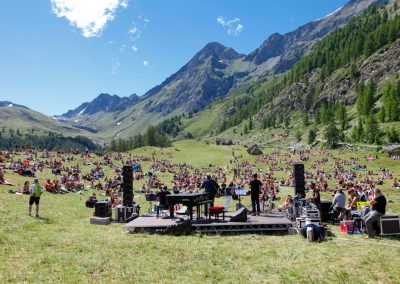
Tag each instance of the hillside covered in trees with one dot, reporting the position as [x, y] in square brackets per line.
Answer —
[348, 84]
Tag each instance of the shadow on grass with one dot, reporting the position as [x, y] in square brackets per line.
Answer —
[329, 233]
[44, 220]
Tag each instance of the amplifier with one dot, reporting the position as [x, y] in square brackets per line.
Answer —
[300, 222]
[122, 212]
[314, 221]
[312, 214]
[390, 225]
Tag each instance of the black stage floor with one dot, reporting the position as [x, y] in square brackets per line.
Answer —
[254, 224]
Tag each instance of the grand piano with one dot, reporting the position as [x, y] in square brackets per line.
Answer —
[190, 200]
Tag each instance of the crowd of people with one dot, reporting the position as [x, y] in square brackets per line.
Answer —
[262, 178]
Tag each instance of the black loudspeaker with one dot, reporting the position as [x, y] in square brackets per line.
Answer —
[325, 205]
[102, 209]
[299, 183]
[239, 215]
[390, 225]
[127, 186]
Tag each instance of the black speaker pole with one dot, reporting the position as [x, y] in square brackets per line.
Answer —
[127, 186]
[299, 184]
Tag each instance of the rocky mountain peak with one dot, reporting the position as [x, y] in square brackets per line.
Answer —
[103, 103]
[215, 49]
[11, 104]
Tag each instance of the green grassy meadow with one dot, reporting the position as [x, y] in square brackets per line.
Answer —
[62, 247]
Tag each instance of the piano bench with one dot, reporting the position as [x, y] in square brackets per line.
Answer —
[216, 211]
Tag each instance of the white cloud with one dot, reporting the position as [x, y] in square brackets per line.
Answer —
[145, 20]
[145, 63]
[134, 32]
[134, 48]
[115, 63]
[90, 16]
[233, 27]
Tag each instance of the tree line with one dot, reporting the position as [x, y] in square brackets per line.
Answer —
[362, 36]
[51, 141]
[151, 137]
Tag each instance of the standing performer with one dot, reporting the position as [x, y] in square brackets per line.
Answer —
[255, 186]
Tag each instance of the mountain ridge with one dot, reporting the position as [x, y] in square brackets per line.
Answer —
[102, 103]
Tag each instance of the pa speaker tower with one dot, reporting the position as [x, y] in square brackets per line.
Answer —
[127, 186]
[299, 184]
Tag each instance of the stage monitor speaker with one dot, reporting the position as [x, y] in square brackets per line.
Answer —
[102, 209]
[390, 225]
[299, 183]
[325, 205]
[127, 186]
[239, 215]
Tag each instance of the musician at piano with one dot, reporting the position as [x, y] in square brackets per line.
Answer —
[161, 197]
[211, 187]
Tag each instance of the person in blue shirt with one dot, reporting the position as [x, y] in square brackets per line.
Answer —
[210, 186]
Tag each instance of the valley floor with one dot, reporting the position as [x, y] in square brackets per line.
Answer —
[62, 246]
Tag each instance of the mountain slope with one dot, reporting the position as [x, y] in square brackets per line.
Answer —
[279, 52]
[102, 103]
[214, 72]
[336, 78]
[15, 117]
[197, 83]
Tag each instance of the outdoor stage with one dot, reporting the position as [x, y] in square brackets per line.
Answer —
[255, 224]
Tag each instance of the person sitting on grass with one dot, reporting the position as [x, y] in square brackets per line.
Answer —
[378, 203]
[2, 180]
[49, 186]
[25, 189]
[338, 204]
[396, 184]
[90, 203]
[288, 202]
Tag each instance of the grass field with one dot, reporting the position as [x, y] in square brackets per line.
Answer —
[62, 247]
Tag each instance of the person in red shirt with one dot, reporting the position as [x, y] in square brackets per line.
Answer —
[49, 186]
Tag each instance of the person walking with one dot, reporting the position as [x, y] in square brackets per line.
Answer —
[255, 186]
[36, 191]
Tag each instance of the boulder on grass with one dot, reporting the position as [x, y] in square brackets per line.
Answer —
[226, 142]
[254, 150]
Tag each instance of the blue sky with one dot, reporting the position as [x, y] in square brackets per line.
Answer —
[57, 54]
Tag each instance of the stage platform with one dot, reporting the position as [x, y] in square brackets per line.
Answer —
[254, 224]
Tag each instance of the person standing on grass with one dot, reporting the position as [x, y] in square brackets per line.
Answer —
[36, 191]
[255, 186]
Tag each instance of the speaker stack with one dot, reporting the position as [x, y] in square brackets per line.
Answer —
[299, 180]
[127, 186]
[102, 209]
